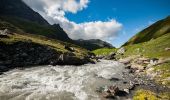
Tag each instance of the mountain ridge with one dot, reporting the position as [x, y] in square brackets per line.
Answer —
[154, 31]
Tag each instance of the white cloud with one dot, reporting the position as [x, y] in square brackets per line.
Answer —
[54, 11]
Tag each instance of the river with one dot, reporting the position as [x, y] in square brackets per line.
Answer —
[60, 82]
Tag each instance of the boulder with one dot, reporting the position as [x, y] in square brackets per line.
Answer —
[110, 91]
[69, 48]
[100, 56]
[121, 50]
[167, 49]
[126, 90]
[110, 56]
[137, 66]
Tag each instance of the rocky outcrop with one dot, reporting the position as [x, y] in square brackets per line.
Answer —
[24, 54]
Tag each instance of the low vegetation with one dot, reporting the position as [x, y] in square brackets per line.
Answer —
[104, 51]
[164, 73]
[153, 49]
[149, 95]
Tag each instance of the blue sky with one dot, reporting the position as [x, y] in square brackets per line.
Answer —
[134, 15]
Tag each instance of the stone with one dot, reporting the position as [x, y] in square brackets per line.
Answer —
[110, 56]
[126, 90]
[131, 85]
[69, 48]
[110, 91]
[167, 49]
[121, 50]
[113, 89]
[137, 66]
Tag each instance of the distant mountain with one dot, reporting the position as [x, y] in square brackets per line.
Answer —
[152, 32]
[19, 14]
[93, 44]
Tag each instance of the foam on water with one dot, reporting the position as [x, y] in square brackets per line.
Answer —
[59, 82]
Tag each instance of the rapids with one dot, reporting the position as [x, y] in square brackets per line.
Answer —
[60, 82]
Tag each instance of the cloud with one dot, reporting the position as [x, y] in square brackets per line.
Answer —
[54, 11]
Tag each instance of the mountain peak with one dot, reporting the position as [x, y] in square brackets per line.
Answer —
[19, 9]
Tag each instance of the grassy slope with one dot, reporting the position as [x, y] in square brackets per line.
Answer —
[152, 32]
[35, 28]
[53, 43]
[153, 48]
[104, 51]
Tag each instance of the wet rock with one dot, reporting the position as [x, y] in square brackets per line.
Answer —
[113, 89]
[131, 85]
[110, 92]
[110, 56]
[3, 68]
[126, 90]
[127, 66]
[114, 79]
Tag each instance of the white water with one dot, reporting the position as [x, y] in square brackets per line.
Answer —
[59, 82]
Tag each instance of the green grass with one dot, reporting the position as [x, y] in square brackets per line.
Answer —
[104, 51]
[149, 95]
[154, 48]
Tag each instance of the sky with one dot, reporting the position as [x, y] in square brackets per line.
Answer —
[114, 21]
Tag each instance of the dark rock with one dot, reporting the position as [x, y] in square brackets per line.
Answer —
[1, 73]
[110, 56]
[3, 68]
[127, 66]
[121, 93]
[114, 79]
[69, 48]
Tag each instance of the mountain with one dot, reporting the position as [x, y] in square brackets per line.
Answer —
[154, 31]
[93, 44]
[19, 9]
[19, 14]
